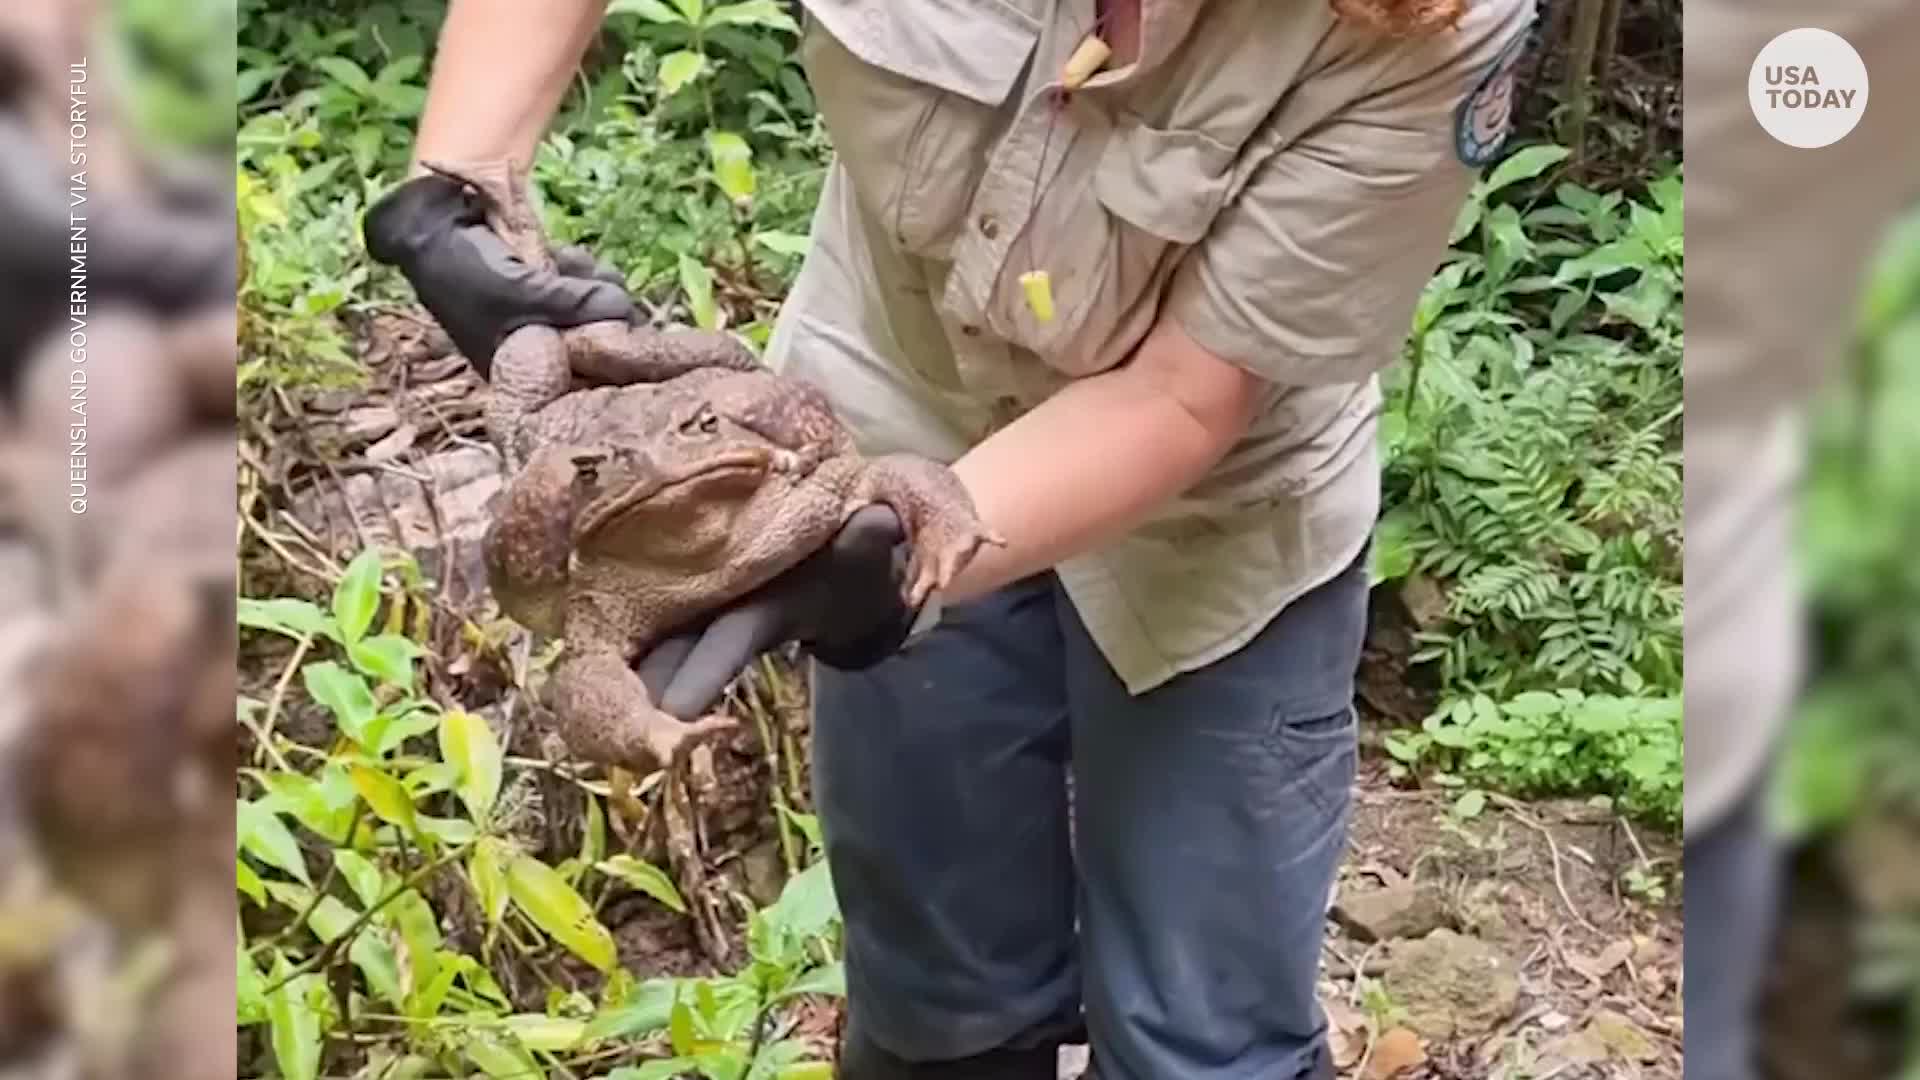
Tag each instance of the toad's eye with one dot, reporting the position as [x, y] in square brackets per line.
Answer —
[709, 423]
[704, 422]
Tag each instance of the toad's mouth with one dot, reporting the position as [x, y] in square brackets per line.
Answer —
[749, 463]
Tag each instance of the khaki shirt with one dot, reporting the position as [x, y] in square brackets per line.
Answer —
[1779, 239]
[1278, 182]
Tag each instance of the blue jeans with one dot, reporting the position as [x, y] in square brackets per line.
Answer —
[1733, 880]
[1180, 921]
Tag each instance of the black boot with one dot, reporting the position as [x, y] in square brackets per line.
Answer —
[861, 1059]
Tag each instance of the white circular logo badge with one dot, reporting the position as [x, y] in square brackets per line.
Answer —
[1808, 88]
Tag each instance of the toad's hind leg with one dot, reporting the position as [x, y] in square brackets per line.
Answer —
[607, 717]
[943, 529]
[618, 354]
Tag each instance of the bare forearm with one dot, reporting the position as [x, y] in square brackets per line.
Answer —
[1099, 457]
[500, 70]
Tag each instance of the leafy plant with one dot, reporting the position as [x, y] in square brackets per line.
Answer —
[1532, 451]
[343, 867]
[1565, 742]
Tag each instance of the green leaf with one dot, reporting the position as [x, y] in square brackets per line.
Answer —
[357, 595]
[362, 876]
[264, 836]
[330, 919]
[386, 657]
[646, 1010]
[660, 1069]
[250, 1004]
[808, 826]
[249, 884]
[644, 877]
[1393, 553]
[557, 909]
[390, 730]
[486, 868]
[1402, 749]
[420, 932]
[808, 1070]
[1470, 804]
[1534, 703]
[345, 695]
[765, 13]
[697, 281]
[386, 796]
[830, 980]
[293, 618]
[450, 831]
[680, 1031]
[345, 72]
[793, 245]
[775, 1058]
[497, 1058]
[732, 164]
[294, 1023]
[551, 1034]
[1469, 215]
[1525, 164]
[469, 745]
[680, 68]
[807, 907]
[650, 10]
[593, 837]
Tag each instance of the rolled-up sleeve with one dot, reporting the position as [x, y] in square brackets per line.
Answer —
[1311, 274]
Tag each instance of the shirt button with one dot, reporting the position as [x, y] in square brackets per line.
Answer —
[989, 226]
[970, 330]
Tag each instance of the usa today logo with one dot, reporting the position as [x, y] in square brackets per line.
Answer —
[1808, 88]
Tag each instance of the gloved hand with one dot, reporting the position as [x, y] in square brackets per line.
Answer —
[472, 283]
[842, 604]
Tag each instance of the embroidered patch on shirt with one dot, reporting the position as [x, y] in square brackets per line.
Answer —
[1482, 120]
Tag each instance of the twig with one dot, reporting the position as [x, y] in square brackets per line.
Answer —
[320, 890]
[332, 948]
[1553, 849]
[299, 418]
[1645, 863]
[279, 696]
[275, 543]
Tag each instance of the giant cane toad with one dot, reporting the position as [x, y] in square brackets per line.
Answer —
[636, 507]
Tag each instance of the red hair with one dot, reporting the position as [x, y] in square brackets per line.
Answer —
[1402, 18]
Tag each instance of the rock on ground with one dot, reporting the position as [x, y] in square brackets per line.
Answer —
[1450, 985]
[1409, 910]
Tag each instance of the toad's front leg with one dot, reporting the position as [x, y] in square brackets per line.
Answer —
[529, 371]
[943, 529]
[620, 354]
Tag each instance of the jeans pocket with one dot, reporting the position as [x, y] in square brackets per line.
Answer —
[1321, 752]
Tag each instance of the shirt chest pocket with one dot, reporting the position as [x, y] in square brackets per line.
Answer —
[912, 95]
[1108, 232]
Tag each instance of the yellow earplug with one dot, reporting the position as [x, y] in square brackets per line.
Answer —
[1084, 62]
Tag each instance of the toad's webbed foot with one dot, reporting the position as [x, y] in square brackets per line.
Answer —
[943, 529]
[503, 189]
[607, 717]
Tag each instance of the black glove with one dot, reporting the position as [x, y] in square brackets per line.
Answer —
[475, 287]
[842, 604]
